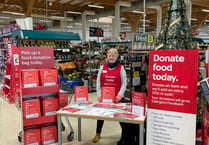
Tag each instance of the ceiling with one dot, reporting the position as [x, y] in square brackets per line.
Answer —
[45, 9]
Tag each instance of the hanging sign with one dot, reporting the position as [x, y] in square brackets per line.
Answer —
[143, 41]
[172, 95]
[96, 32]
[36, 57]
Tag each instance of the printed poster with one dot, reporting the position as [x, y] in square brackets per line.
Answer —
[81, 94]
[108, 95]
[138, 103]
[172, 94]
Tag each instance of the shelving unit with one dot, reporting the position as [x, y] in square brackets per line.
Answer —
[37, 116]
[64, 51]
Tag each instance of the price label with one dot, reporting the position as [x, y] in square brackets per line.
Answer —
[150, 38]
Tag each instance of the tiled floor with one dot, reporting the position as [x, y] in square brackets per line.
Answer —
[11, 124]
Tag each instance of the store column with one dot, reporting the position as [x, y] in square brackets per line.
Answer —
[159, 18]
[188, 10]
[84, 23]
[116, 30]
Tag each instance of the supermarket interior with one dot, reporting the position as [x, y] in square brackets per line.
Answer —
[139, 66]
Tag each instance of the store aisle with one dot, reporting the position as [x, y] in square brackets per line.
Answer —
[10, 125]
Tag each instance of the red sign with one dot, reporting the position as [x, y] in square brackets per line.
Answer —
[81, 94]
[139, 99]
[36, 57]
[172, 84]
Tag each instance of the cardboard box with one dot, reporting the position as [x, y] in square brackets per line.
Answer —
[48, 77]
[81, 94]
[63, 99]
[48, 135]
[30, 78]
[49, 106]
[32, 137]
[31, 108]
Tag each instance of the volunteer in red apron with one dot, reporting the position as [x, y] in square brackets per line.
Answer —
[111, 74]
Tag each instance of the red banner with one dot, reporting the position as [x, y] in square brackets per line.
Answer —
[172, 84]
[36, 57]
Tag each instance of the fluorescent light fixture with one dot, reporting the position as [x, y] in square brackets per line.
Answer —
[95, 6]
[1, 21]
[78, 24]
[138, 12]
[127, 27]
[45, 21]
[111, 17]
[205, 10]
[14, 13]
[69, 26]
[71, 12]
[193, 19]
[2, 17]
[124, 23]
[57, 17]
[206, 20]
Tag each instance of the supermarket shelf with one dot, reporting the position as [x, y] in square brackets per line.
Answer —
[39, 120]
[45, 35]
[40, 90]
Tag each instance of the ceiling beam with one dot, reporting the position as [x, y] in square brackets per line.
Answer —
[106, 2]
[67, 3]
[56, 2]
[30, 8]
[201, 3]
[200, 22]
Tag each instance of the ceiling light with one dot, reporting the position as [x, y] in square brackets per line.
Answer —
[71, 12]
[95, 6]
[193, 19]
[45, 21]
[205, 10]
[111, 17]
[206, 20]
[2, 17]
[145, 20]
[57, 17]
[138, 12]
[14, 13]
[124, 23]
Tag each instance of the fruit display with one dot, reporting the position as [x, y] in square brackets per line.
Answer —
[67, 65]
[72, 76]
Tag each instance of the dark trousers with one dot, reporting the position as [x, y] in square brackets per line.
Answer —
[99, 126]
[130, 133]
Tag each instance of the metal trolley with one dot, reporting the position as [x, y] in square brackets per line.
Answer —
[68, 86]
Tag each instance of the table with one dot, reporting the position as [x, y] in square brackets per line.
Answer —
[93, 111]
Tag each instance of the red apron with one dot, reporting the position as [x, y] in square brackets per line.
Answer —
[111, 78]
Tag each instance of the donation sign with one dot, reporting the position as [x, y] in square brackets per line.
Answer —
[172, 94]
[36, 57]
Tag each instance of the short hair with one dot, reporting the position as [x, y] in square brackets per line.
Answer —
[113, 50]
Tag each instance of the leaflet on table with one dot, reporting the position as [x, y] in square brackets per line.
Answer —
[108, 106]
[108, 95]
[125, 115]
[81, 106]
[138, 103]
[81, 94]
[72, 110]
[97, 111]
